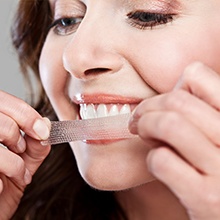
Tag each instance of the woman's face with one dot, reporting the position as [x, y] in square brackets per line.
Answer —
[105, 56]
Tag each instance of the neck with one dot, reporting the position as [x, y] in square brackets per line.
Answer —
[151, 201]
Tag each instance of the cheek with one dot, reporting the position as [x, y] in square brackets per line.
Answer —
[55, 79]
[161, 64]
[51, 70]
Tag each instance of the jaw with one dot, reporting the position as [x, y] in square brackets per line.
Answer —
[113, 166]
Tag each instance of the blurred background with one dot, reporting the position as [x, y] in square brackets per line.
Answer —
[11, 79]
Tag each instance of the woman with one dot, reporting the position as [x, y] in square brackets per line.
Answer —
[97, 58]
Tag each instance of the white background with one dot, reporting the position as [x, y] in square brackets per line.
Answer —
[11, 79]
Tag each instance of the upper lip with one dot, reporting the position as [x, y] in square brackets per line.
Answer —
[104, 99]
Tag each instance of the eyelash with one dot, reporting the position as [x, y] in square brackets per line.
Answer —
[143, 20]
[65, 26]
[138, 19]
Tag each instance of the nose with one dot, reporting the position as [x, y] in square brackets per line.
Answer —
[91, 51]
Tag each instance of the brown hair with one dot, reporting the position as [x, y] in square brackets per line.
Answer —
[57, 190]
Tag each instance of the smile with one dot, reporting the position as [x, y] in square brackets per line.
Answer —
[88, 111]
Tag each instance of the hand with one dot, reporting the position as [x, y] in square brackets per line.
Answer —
[184, 129]
[24, 154]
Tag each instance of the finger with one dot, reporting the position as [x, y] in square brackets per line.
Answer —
[202, 82]
[189, 186]
[201, 114]
[24, 115]
[10, 134]
[174, 130]
[174, 172]
[13, 167]
[35, 154]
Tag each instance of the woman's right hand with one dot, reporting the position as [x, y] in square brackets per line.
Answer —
[24, 153]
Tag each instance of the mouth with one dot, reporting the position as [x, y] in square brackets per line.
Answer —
[93, 106]
[98, 105]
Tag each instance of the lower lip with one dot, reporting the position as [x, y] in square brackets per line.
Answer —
[102, 142]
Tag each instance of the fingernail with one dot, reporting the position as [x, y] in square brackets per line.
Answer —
[21, 144]
[27, 177]
[133, 122]
[41, 129]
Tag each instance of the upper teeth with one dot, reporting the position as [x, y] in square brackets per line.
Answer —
[102, 110]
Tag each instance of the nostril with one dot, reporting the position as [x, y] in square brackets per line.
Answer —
[96, 71]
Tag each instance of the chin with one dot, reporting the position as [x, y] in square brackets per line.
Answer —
[114, 166]
[116, 183]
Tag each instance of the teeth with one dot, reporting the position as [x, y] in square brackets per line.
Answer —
[88, 111]
[82, 111]
[113, 111]
[125, 109]
[102, 111]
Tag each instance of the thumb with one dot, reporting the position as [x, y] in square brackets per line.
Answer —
[35, 152]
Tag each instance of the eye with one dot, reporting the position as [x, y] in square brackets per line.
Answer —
[143, 20]
[65, 26]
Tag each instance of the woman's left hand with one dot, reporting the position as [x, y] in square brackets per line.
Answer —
[184, 126]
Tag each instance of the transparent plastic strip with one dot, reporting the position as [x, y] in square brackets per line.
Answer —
[106, 128]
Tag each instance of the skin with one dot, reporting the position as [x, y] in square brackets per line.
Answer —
[24, 153]
[165, 171]
[173, 98]
[155, 65]
[75, 56]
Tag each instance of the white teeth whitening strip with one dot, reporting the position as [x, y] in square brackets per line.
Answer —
[105, 128]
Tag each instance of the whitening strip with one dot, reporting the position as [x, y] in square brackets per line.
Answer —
[106, 128]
